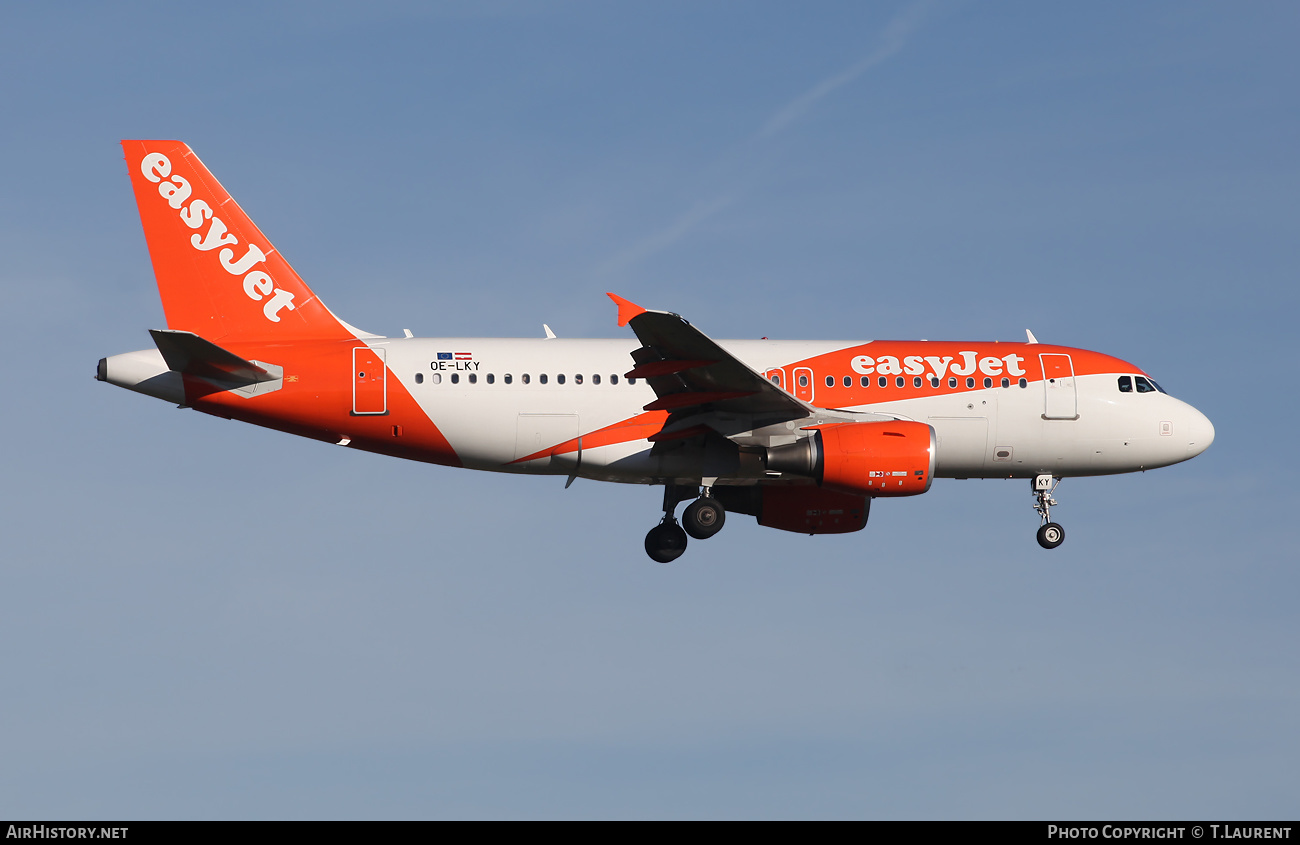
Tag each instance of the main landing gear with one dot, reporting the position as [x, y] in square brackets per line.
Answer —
[702, 519]
[666, 541]
[1050, 535]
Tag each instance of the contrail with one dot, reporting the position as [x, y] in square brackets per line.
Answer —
[892, 40]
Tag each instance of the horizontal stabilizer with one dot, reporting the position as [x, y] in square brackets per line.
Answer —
[186, 352]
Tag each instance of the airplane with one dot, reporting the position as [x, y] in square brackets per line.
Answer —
[801, 435]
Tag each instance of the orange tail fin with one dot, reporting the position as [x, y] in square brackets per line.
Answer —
[218, 275]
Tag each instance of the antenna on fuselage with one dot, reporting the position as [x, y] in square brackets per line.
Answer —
[1031, 337]
[550, 335]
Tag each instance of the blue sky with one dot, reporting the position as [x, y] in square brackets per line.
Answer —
[200, 619]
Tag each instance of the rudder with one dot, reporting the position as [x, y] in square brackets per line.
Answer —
[218, 275]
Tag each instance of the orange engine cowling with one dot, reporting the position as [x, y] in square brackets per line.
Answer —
[891, 458]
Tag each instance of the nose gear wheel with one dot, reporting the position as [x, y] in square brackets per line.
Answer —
[1051, 535]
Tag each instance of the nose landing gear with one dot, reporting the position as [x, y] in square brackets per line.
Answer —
[702, 519]
[1050, 535]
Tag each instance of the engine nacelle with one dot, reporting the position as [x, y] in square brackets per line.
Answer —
[892, 458]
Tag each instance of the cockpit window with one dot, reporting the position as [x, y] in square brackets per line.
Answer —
[1125, 384]
[1143, 385]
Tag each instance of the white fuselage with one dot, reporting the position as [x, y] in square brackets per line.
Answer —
[994, 432]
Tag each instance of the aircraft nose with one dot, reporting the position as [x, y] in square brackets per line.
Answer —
[1200, 433]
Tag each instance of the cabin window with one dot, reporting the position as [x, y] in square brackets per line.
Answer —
[595, 378]
[830, 381]
[934, 381]
[883, 382]
[1024, 382]
[776, 379]
[1006, 382]
[970, 382]
[613, 379]
[436, 378]
[492, 379]
[455, 378]
[507, 378]
[527, 378]
[419, 378]
[541, 379]
[988, 382]
[848, 381]
[473, 379]
[916, 381]
[559, 379]
[952, 381]
[631, 381]
[803, 381]
[1125, 384]
[1143, 385]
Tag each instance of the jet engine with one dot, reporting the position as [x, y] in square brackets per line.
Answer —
[893, 458]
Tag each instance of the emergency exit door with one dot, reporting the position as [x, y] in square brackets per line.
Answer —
[803, 383]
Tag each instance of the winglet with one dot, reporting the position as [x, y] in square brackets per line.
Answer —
[626, 310]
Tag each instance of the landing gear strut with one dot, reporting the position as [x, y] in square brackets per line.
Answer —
[703, 518]
[1050, 535]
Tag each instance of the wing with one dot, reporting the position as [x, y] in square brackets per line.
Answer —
[692, 376]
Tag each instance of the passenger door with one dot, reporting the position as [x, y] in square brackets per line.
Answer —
[1060, 398]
